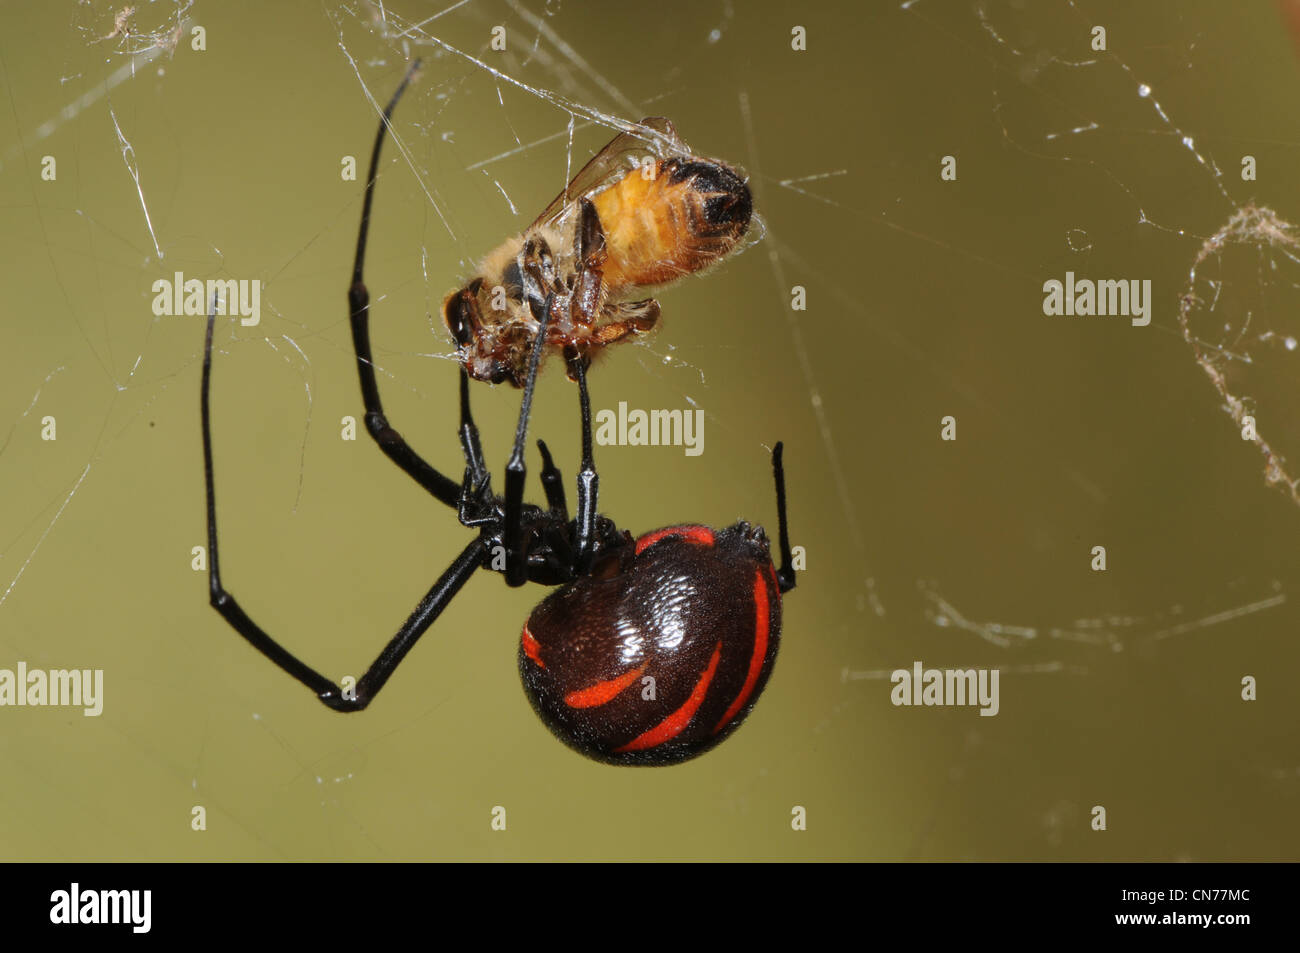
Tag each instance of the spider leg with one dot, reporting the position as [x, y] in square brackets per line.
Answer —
[389, 440]
[430, 607]
[469, 441]
[516, 469]
[416, 624]
[553, 484]
[476, 506]
[784, 575]
[588, 481]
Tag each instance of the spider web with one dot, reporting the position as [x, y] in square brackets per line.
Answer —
[466, 147]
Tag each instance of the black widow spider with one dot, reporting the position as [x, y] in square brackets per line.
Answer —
[690, 615]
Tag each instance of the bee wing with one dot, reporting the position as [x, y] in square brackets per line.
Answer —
[655, 137]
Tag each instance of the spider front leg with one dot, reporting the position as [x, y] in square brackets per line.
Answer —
[516, 469]
[475, 468]
[588, 480]
[389, 440]
[585, 302]
[476, 506]
[552, 483]
[368, 686]
[785, 574]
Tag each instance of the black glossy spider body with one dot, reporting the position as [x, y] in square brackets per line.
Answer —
[650, 652]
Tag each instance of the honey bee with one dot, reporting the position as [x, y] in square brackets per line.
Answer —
[641, 214]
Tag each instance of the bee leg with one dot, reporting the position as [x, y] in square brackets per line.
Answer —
[541, 287]
[640, 316]
[589, 237]
[624, 319]
[590, 254]
[536, 256]
[628, 317]
[537, 274]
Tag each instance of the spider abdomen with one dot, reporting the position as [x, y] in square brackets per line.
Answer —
[662, 660]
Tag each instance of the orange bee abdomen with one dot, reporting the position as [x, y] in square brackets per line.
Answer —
[659, 228]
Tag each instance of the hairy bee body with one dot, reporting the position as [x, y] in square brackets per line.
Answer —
[663, 227]
[618, 231]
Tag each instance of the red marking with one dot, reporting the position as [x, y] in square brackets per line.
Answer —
[760, 651]
[674, 724]
[696, 534]
[602, 692]
[532, 649]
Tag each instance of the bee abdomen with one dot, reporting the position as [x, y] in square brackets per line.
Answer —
[684, 219]
[727, 204]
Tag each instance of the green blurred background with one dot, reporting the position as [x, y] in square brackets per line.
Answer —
[924, 300]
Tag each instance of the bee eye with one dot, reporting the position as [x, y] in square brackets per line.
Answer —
[458, 315]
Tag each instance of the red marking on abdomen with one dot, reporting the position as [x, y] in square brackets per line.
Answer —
[602, 692]
[696, 534]
[532, 648]
[760, 651]
[674, 724]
